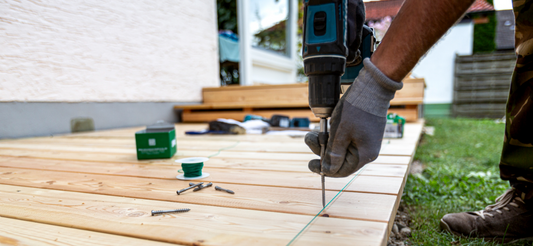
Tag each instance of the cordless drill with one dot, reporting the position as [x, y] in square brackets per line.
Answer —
[325, 55]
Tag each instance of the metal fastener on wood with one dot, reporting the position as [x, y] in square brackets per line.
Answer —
[203, 186]
[226, 190]
[154, 212]
[188, 188]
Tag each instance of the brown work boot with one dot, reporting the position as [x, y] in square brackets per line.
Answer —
[510, 219]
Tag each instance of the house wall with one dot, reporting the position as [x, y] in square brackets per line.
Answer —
[271, 68]
[121, 63]
[437, 67]
[107, 51]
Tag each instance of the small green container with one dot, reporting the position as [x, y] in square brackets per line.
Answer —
[157, 141]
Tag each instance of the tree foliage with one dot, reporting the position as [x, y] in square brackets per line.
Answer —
[227, 15]
[484, 35]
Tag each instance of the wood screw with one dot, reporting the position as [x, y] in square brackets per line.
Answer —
[188, 188]
[154, 212]
[226, 190]
[203, 186]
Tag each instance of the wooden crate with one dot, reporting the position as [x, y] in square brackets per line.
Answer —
[234, 102]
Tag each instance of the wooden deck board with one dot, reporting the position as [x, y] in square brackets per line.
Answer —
[94, 183]
[203, 225]
[20, 232]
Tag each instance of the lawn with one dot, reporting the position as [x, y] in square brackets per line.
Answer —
[461, 174]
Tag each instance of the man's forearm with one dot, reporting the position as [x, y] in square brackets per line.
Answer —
[418, 25]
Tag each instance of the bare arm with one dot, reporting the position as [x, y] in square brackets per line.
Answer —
[418, 25]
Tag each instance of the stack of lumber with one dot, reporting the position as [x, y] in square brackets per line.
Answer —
[89, 189]
[234, 102]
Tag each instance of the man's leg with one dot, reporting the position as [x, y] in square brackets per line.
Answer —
[517, 155]
[512, 216]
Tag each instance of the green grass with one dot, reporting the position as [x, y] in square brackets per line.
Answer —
[462, 175]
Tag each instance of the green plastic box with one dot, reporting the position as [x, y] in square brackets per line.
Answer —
[394, 127]
[157, 141]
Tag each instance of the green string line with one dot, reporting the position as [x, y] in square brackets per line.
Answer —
[220, 150]
[191, 170]
[305, 227]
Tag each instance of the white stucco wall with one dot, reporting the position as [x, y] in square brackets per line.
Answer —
[271, 68]
[437, 67]
[107, 51]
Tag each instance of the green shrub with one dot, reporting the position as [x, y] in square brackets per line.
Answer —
[484, 35]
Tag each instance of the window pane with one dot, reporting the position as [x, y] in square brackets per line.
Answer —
[269, 24]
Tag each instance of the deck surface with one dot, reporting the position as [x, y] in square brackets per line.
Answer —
[89, 189]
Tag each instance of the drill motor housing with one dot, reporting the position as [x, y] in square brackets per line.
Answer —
[324, 52]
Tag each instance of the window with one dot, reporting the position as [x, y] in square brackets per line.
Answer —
[268, 25]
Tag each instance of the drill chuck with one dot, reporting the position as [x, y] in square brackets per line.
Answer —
[324, 75]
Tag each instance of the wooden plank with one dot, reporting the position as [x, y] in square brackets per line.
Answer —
[102, 165]
[206, 225]
[239, 115]
[128, 133]
[263, 198]
[19, 232]
[232, 161]
[303, 180]
[127, 146]
[240, 105]
[412, 88]
[124, 137]
[297, 94]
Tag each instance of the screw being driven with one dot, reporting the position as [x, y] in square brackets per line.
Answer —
[188, 188]
[226, 190]
[203, 186]
[154, 212]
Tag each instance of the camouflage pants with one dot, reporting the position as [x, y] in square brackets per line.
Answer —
[516, 162]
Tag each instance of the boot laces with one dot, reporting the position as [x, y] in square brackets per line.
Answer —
[507, 198]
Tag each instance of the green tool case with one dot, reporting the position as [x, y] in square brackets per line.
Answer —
[394, 127]
[156, 141]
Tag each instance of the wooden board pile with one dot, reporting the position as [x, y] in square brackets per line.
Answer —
[234, 102]
[89, 189]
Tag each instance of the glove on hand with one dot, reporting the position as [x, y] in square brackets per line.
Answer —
[357, 124]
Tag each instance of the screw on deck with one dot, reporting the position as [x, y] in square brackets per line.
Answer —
[203, 186]
[222, 189]
[154, 212]
[188, 188]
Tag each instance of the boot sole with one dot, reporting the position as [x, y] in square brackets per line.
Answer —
[445, 227]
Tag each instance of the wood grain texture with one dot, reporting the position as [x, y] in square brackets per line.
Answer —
[263, 198]
[93, 182]
[203, 225]
[184, 143]
[304, 179]
[279, 161]
[20, 232]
